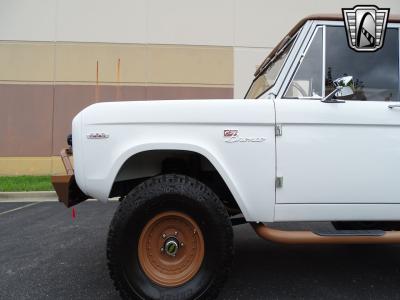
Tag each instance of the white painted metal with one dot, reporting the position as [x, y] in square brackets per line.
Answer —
[302, 45]
[324, 62]
[339, 161]
[337, 212]
[338, 152]
[285, 70]
[248, 168]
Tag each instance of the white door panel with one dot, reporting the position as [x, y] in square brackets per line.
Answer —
[337, 212]
[338, 152]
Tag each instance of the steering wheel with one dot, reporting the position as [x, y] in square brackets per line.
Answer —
[300, 89]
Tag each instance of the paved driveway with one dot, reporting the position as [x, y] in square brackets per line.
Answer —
[44, 254]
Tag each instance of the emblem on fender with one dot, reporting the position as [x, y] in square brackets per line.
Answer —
[97, 136]
[230, 132]
[232, 136]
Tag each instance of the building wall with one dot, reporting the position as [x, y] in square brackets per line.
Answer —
[58, 56]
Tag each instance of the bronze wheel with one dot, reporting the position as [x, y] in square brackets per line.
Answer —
[170, 238]
[171, 249]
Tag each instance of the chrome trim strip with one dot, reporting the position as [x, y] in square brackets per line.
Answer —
[323, 60]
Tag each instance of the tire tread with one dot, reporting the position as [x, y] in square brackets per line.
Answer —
[137, 199]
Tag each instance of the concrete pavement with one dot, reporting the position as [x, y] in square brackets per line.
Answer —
[44, 254]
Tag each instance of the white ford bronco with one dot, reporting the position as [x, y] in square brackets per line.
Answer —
[316, 139]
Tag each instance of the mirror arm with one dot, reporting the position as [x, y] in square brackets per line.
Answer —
[329, 97]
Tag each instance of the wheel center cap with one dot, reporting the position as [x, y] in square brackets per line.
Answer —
[171, 246]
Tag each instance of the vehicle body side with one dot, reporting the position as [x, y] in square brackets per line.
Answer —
[322, 179]
[247, 168]
[339, 161]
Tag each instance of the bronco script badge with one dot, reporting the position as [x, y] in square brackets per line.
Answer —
[232, 136]
[365, 26]
[97, 136]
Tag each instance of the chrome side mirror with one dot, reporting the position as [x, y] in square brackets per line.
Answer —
[344, 86]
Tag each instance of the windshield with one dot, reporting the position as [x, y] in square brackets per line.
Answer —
[267, 78]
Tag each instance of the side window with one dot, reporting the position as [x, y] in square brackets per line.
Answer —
[375, 74]
[307, 81]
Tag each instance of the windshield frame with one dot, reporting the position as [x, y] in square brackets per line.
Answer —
[290, 41]
[303, 53]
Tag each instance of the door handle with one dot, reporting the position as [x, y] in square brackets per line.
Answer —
[394, 106]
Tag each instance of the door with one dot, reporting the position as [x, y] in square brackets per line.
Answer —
[341, 153]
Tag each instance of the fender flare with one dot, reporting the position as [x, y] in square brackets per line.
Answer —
[221, 169]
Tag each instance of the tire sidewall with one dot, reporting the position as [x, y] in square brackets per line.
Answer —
[171, 193]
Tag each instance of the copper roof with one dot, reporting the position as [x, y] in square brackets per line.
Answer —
[319, 17]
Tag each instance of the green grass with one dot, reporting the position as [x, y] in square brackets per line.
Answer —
[25, 183]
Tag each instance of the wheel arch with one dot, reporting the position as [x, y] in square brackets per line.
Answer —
[135, 163]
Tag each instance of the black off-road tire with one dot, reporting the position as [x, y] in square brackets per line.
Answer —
[155, 196]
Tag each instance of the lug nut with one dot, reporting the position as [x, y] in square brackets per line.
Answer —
[164, 236]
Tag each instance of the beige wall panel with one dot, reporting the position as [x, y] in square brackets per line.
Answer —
[170, 92]
[78, 62]
[26, 61]
[27, 20]
[206, 22]
[246, 62]
[71, 99]
[191, 65]
[142, 64]
[25, 166]
[26, 116]
[57, 166]
[117, 21]
[260, 23]
[10, 166]
[68, 101]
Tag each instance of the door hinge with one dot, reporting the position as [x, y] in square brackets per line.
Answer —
[279, 181]
[278, 129]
